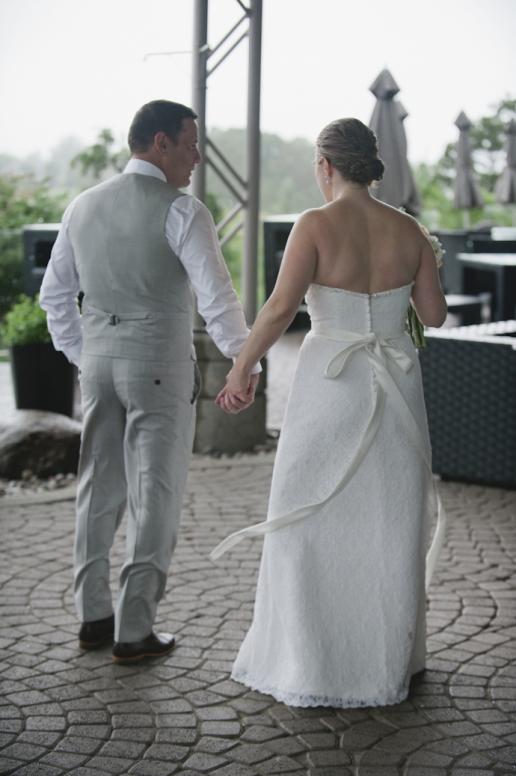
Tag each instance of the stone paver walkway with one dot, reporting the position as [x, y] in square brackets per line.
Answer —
[67, 712]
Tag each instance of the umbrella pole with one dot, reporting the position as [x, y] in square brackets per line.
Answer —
[465, 218]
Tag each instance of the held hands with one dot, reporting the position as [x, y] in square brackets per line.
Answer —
[238, 393]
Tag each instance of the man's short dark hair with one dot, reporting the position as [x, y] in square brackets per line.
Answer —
[157, 116]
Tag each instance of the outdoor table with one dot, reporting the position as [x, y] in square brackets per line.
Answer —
[493, 272]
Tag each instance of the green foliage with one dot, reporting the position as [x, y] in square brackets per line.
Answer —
[232, 250]
[102, 157]
[23, 200]
[25, 323]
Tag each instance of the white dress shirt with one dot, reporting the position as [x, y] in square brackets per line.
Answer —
[191, 234]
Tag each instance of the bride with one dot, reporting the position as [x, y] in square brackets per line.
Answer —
[339, 618]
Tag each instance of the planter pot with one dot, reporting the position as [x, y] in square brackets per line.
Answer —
[43, 378]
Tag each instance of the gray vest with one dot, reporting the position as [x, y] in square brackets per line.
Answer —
[138, 302]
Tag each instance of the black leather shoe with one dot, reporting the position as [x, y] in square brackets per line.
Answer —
[96, 634]
[154, 645]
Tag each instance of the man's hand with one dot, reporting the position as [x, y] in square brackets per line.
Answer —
[238, 393]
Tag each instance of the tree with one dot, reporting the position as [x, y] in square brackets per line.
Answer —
[23, 200]
[102, 157]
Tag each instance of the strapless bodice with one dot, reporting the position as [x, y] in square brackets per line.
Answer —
[383, 313]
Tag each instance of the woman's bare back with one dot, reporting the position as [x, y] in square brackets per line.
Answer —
[366, 246]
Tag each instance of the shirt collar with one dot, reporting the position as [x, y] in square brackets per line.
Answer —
[141, 167]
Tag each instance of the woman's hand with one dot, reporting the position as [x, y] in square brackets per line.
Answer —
[239, 391]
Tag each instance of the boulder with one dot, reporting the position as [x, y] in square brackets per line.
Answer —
[38, 443]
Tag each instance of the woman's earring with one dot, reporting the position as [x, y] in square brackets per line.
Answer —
[326, 180]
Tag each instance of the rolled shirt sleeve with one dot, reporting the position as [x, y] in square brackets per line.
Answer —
[58, 296]
[192, 235]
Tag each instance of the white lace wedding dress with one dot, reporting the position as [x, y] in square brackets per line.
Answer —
[339, 617]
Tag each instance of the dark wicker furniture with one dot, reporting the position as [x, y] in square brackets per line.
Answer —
[469, 378]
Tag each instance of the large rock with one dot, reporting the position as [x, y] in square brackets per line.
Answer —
[43, 443]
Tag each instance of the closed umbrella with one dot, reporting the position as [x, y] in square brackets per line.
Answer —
[397, 185]
[411, 195]
[466, 194]
[506, 183]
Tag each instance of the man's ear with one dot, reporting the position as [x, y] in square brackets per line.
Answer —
[161, 142]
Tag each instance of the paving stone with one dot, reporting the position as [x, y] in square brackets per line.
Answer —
[279, 764]
[287, 745]
[41, 738]
[220, 728]
[132, 749]
[90, 731]
[203, 762]
[459, 729]
[65, 760]
[235, 769]
[23, 751]
[133, 734]
[505, 755]
[37, 769]
[176, 735]
[476, 760]
[110, 764]
[216, 713]
[176, 720]
[154, 768]
[214, 744]
[260, 733]
[331, 758]
[430, 759]
[248, 753]
[8, 765]
[364, 734]
[172, 752]
[77, 744]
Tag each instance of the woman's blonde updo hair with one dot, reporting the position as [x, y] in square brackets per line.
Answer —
[352, 149]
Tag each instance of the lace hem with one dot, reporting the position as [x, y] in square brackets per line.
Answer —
[306, 701]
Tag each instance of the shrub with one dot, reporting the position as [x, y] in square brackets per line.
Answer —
[25, 323]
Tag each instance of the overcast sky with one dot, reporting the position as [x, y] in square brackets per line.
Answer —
[72, 67]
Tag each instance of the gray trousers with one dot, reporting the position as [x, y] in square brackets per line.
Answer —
[138, 427]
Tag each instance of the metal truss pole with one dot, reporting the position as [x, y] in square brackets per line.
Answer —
[246, 191]
[199, 77]
[215, 431]
[250, 269]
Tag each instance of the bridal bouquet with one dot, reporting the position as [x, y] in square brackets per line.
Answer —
[414, 326]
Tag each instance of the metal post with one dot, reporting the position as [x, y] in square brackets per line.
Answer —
[214, 430]
[200, 58]
[250, 268]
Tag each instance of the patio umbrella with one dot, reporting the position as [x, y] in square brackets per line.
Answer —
[411, 196]
[506, 183]
[466, 194]
[397, 186]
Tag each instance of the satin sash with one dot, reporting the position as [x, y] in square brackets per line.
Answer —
[378, 351]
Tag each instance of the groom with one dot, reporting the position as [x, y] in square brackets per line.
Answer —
[136, 245]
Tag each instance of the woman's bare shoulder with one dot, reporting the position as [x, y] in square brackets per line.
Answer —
[311, 219]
